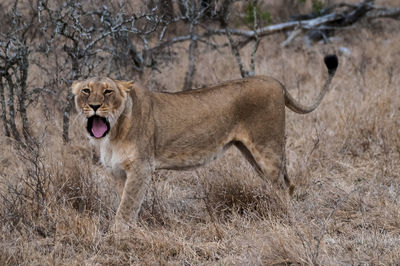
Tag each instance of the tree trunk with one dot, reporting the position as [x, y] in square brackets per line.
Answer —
[23, 68]
[224, 12]
[11, 108]
[192, 66]
[66, 115]
[182, 7]
[166, 9]
[69, 100]
[4, 109]
[208, 6]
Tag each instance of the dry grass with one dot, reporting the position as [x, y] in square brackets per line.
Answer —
[56, 207]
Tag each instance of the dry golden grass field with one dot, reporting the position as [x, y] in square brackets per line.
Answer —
[343, 159]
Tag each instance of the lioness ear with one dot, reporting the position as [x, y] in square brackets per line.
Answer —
[124, 86]
[75, 87]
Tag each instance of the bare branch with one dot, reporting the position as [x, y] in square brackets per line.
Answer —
[4, 110]
[236, 53]
[271, 29]
[256, 42]
[292, 36]
[393, 13]
[191, 68]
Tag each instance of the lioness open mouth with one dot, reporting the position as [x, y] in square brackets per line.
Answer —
[98, 126]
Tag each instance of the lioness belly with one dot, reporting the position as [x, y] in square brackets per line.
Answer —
[181, 159]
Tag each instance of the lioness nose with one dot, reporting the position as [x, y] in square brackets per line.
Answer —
[94, 107]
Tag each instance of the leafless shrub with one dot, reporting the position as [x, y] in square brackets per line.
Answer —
[32, 201]
[14, 65]
[79, 188]
[229, 195]
[27, 197]
[156, 210]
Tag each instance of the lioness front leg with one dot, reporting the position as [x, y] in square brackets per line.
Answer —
[138, 175]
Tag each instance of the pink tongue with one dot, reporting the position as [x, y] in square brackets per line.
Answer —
[98, 127]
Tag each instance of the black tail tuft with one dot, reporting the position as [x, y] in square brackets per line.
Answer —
[331, 62]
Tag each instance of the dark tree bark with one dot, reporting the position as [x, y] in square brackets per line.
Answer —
[66, 115]
[224, 12]
[11, 108]
[22, 98]
[166, 9]
[69, 99]
[208, 6]
[4, 109]
[182, 7]
[192, 66]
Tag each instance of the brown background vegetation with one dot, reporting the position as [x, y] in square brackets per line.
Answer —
[57, 205]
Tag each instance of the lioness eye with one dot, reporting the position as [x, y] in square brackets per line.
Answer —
[86, 91]
[108, 92]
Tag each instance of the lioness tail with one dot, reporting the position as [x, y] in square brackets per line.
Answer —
[331, 62]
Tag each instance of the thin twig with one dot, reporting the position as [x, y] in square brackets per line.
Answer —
[256, 41]
[236, 53]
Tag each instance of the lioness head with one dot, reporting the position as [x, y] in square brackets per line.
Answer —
[101, 101]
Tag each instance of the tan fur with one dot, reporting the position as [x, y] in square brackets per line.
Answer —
[151, 131]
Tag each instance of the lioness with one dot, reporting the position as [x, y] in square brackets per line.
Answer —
[139, 131]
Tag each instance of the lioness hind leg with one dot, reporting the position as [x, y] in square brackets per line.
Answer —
[284, 171]
[268, 161]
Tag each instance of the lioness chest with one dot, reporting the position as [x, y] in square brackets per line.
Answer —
[112, 157]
